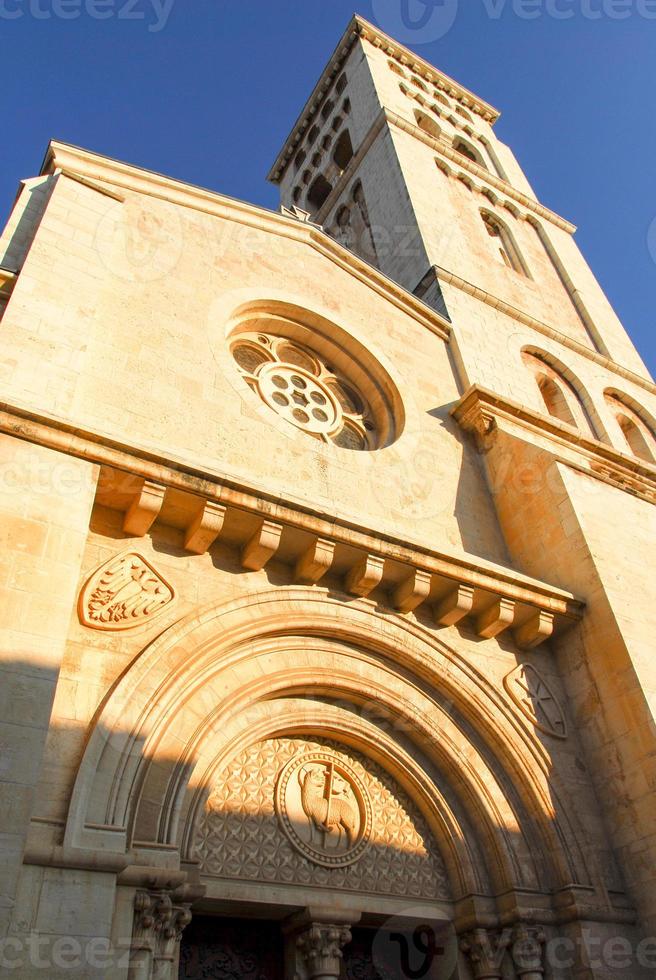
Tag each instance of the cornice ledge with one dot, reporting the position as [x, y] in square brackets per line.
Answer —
[480, 410]
[485, 175]
[174, 473]
[370, 32]
[444, 275]
[96, 171]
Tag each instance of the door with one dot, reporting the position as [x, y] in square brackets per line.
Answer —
[231, 949]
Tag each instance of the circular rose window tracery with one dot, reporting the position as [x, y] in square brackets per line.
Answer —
[303, 389]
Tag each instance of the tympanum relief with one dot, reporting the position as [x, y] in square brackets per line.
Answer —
[308, 812]
[324, 808]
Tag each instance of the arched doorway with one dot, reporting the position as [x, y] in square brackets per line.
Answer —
[314, 765]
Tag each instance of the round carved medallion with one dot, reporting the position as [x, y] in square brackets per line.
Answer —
[324, 809]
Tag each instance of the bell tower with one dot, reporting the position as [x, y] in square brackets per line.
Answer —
[402, 165]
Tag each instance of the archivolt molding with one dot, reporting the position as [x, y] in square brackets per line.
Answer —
[141, 769]
[289, 708]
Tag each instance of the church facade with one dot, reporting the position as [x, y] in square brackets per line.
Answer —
[327, 565]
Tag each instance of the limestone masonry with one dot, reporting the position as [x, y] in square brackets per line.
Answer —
[327, 568]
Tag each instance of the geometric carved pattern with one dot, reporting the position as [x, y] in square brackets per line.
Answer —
[240, 836]
[124, 592]
[536, 700]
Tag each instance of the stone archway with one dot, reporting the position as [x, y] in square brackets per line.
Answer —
[303, 671]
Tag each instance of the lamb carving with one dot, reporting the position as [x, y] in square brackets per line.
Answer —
[326, 804]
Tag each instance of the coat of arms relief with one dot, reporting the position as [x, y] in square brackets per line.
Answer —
[535, 698]
[124, 592]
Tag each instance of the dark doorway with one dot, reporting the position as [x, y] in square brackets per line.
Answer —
[231, 949]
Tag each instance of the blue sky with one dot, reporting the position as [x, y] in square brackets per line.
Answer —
[206, 90]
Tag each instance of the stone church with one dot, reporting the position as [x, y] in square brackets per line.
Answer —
[327, 565]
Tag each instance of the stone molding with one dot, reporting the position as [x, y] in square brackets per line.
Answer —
[446, 276]
[373, 553]
[480, 412]
[71, 162]
[446, 150]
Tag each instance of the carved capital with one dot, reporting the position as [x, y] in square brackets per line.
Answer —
[481, 425]
[528, 952]
[157, 929]
[321, 950]
[485, 950]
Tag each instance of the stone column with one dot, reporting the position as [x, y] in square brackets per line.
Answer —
[528, 952]
[315, 945]
[156, 934]
[485, 950]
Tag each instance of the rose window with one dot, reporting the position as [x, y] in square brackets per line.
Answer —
[303, 389]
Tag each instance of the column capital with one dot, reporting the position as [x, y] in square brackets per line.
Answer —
[485, 950]
[321, 947]
[159, 922]
[528, 951]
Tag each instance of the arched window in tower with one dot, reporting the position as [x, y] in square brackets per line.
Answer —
[426, 124]
[343, 153]
[467, 150]
[441, 98]
[418, 82]
[396, 68]
[554, 400]
[341, 84]
[637, 434]
[319, 192]
[463, 112]
[503, 244]
[559, 397]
